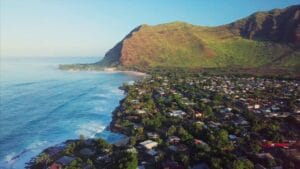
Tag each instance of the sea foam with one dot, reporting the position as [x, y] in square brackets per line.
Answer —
[90, 129]
[49, 106]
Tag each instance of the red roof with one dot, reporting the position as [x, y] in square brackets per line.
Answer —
[280, 145]
[197, 141]
[55, 166]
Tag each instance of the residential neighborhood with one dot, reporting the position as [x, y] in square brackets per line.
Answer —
[185, 119]
[212, 120]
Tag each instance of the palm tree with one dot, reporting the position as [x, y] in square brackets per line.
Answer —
[43, 159]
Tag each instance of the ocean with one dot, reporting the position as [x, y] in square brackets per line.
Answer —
[41, 106]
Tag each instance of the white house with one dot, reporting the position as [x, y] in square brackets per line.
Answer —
[149, 144]
[140, 111]
[177, 113]
[256, 106]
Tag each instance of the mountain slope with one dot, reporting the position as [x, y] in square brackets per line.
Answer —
[262, 39]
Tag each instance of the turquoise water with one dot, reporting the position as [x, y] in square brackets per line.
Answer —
[41, 105]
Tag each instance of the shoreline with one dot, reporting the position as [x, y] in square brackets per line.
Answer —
[151, 130]
[130, 72]
[109, 128]
[109, 70]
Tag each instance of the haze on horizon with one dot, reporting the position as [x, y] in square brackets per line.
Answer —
[37, 28]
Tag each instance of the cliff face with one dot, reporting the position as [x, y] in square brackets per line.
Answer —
[276, 25]
[112, 57]
[263, 38]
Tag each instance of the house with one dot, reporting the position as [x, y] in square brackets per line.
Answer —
[105, 158]
[140, 111]
[62, 162]
[152, 152]
[177, 113]
[199, 114]
[271, 144]
[173, 139]
[256, 106]
[55, 166]
[152, 135]
[275, 108]
[205, 100]
[149, 144]
[265, 156]
[226, 110]
[267, 110]
[232, 137]
[135, 101]
[86, 152]
[199, 142]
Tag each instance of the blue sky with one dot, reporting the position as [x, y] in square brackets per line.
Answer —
[34, 28]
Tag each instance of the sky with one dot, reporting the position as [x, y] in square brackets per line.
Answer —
[43, 28]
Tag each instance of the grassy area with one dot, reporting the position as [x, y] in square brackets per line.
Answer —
[180, 44]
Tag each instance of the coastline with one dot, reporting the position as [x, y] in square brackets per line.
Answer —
[113, 125]
[130, 72]
[105, 69]
[153, 129]
[123, 140]
[135, 73]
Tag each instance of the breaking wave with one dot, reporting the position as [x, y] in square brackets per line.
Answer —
[90, 129]
[49, 106]
[16, 160]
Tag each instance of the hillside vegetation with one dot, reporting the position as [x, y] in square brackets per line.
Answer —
[262, 39]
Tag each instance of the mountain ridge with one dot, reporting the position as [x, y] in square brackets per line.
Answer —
[263, 39]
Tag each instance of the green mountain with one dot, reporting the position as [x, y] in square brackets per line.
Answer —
[263, 39]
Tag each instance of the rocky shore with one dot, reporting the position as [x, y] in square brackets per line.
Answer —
[86, 152]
